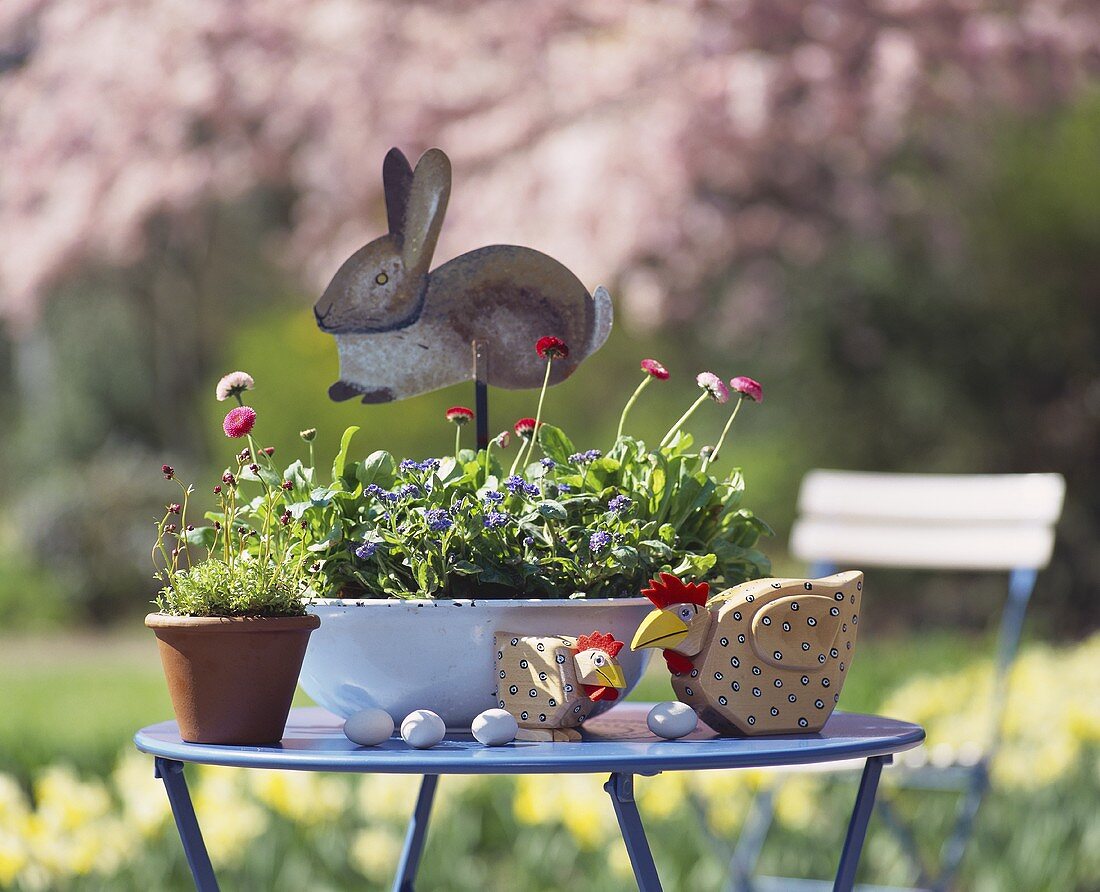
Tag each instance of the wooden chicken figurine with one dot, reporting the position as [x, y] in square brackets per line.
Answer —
[549, 683]
[765, 657]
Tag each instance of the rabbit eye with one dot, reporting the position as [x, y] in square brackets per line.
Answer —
[381, 278]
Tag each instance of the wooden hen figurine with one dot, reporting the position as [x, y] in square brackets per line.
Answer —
[765, 657]
[549, 683]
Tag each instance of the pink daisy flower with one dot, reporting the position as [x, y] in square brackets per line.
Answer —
[233, 384]
[714, 386]
[550, 347]
[655, 369]
[459, 415]
[239, 422]
[525, 427]
[748, 387]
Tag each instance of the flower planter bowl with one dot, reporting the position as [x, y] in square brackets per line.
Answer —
[439, 655]
[231, 679]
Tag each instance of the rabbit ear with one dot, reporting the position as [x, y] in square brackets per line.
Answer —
[397, 177]
[431, 187]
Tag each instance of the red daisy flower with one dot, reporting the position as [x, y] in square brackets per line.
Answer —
[239, 422]
[654, 368]
[550, 347]
[459, 415]
[525, 427]
[748, 387]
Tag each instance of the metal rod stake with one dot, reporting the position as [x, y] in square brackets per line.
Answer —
[481, 393]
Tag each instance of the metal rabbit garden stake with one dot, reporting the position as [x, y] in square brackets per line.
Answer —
[402, 330]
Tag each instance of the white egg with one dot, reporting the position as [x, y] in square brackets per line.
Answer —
[422, 729]
[369, 727]
[672, 719]
[495, 727]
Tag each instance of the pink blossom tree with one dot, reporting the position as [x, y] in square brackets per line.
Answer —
[645, 144]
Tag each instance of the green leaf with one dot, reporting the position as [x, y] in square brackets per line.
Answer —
[696, 564]
[426, 577]
[333, 537]
[342, 456]
[658, 549]
[201, 536]
[378, 467]
[297, 509]
[466, 568]
[554, 443]
[552, 510]
[322, 495]
[626, 555]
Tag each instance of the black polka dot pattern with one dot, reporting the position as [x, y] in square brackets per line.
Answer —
[538, 681]
[766, 642]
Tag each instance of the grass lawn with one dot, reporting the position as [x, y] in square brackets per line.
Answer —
[79, 698]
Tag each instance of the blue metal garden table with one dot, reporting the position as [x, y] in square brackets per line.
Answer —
[617, 742]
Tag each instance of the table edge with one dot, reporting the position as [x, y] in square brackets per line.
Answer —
[909, 737]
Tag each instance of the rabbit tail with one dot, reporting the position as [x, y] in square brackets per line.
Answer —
[603, 315]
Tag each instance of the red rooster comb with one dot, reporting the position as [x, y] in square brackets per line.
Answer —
[604, 641]
[669, 590]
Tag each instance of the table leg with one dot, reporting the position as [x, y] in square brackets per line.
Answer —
[415, 835]
[857, 826]
[171, 772]
[620, 787]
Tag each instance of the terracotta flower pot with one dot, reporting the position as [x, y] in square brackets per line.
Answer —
[231, 679]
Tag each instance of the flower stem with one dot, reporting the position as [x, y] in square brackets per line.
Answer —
[538, 411]
[725, 430]
[458, 440]
[630, 403]
[672, 431]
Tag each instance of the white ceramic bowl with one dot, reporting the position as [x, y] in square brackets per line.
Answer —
[438, 655]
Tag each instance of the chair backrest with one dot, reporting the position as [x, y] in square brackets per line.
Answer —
[929, 521]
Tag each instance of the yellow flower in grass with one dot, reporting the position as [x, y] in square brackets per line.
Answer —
[144, 802]
[1052, 712]
[375, 851]
[229, 819]
[619, 861]
[65, 802]
[388, 797]
[452, 790]
[301, 796]
[797, 799]
[72, 830]
[724, 796]
[577, 802]
[14, 856]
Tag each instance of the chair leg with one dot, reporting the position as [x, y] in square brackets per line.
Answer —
[857, 826]
[955, 847]
[415, 835]
[171, 772]
[750, 843]
[620, 787]
[901, 831]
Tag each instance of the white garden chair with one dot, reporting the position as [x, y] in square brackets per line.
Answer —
[996, 523]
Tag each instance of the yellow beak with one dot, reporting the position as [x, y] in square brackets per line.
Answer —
[611, 675]
[660, 629]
